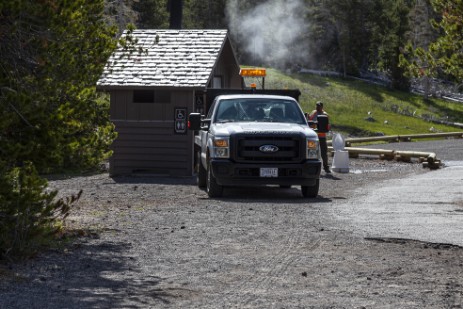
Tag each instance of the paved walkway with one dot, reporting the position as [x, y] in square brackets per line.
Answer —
[426, 207]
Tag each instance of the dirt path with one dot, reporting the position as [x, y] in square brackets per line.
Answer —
[161, 243]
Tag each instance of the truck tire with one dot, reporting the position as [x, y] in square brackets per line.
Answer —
[202, 173]
[311, 191]
[213, 189]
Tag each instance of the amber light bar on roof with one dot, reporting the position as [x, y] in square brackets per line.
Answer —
[253, 72]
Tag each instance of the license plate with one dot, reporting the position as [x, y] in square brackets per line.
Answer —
[268, 172]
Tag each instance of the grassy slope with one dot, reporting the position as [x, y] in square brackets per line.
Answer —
[349, 101]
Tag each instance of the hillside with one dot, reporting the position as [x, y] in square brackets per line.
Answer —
[358, 108]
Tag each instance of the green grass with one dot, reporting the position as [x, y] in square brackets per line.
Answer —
[348, 102]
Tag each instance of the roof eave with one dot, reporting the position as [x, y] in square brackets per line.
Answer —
[139, 87]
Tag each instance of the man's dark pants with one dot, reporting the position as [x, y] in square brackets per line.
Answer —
[324, 151]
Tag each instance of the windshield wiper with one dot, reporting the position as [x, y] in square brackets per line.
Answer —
[225, 121]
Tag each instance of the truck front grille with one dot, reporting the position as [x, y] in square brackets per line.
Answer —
[246, 148]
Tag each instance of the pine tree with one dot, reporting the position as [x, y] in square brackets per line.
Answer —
[52, 55]
[200, 14]
[421, 31]
[152, 14]
[446, 53]
[389, 38]
[51, 118]
[121, 13]
[444, 56]
[340, 34]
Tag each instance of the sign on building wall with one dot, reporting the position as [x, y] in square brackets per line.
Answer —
[180, 119]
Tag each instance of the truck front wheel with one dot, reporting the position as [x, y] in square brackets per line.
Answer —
[213, 189]
[311, 191]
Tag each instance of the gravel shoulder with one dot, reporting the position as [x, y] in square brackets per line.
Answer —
[150, 242]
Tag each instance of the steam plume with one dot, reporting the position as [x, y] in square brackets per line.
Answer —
[272, 32]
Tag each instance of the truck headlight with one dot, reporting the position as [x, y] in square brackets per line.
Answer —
[313, 149]
[221, 147]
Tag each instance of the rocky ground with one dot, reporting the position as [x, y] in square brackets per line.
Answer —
[148, 242]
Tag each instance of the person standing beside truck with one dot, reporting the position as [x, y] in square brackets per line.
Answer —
[319, 120]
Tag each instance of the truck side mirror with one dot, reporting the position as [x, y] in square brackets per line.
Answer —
[194, 121]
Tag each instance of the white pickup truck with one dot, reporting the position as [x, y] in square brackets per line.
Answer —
[255, 139]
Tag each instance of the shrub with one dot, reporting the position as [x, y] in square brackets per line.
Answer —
[30, 214]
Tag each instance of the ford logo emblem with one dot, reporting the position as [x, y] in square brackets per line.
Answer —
[268, 148]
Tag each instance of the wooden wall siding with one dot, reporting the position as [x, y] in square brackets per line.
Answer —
[181, 98]
[123, 108]
[146, 111]
[151, 147]
[228, 68]
[146, 142]
[118, 104]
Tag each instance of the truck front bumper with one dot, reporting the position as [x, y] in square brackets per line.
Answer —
[228, 173]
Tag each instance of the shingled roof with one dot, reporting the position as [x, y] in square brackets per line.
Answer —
[170, 58]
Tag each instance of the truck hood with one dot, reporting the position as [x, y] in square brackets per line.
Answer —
[231, 128]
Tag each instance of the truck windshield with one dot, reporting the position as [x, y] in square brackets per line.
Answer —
[259, 110]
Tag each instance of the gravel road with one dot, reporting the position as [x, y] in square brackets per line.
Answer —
[148, 242]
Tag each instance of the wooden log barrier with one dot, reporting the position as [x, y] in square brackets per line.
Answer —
[397, 138]
[429, 159]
